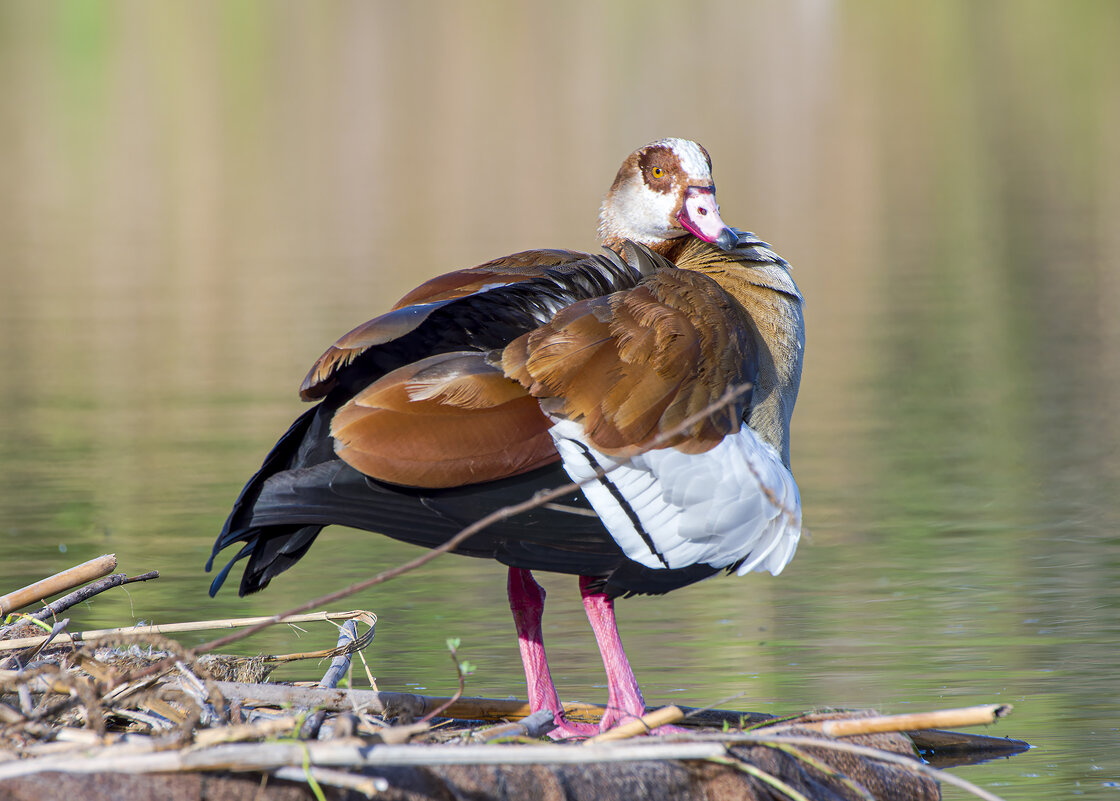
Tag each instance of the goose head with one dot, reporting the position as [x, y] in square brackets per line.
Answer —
[662, 193]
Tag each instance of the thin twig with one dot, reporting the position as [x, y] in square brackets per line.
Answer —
[90, 590]
[460, 672]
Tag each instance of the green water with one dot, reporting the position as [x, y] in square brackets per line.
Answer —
[198, 198]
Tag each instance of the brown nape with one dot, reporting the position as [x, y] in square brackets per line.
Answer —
[629, 166]
[671, 249]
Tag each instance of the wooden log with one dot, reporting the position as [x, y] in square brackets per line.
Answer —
[60, 582]
[351, 754]
[584, 779]
[950, 749]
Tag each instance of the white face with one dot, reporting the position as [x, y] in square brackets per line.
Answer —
[653, 187]
[641, 214]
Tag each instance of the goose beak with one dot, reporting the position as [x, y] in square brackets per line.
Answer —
[700, 217]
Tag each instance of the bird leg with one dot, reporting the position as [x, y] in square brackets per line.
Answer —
[526, 601]
[624, 698]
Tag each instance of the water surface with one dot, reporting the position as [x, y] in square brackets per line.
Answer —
[198, 198]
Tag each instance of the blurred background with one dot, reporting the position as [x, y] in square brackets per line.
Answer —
[197, 198]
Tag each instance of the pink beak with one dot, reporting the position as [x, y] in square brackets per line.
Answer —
[700, 217]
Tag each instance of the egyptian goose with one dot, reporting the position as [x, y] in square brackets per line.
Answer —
[485, 385]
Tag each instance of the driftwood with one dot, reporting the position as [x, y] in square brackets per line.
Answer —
[734, 765]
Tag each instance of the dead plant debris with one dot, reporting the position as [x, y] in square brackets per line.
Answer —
[134, 701]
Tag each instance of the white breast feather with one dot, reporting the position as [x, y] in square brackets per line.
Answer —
[714, 508]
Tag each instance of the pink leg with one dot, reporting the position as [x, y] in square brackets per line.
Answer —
[624, 699]
[526, 601]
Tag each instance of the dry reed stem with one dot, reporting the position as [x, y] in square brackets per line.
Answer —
[639, 726]
[201, 625]
[59, 582]
[240, 732]
[369, 786]
[939, 719]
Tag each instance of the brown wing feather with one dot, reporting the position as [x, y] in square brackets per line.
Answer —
[523, 266]
[444, 421]
[408, 312]
[634, 364]
[320, 378]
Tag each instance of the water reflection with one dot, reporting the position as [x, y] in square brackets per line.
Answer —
[200, 197]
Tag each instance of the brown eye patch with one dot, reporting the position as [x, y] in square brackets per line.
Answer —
[658, 166]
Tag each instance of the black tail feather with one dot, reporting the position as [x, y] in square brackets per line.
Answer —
[292, 506]
[220, 579]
